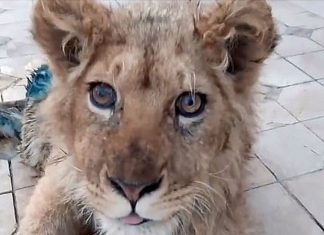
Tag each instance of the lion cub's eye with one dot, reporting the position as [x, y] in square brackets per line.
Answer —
[189, 105]
[102, 95]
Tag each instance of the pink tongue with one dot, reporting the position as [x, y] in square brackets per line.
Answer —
[132, 219]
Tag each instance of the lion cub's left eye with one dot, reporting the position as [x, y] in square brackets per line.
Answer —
[190, 105]
[102, 95]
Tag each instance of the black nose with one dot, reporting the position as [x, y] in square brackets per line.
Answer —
[133, 191]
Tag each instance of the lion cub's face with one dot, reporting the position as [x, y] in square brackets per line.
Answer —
[149, 103]
[146, 127]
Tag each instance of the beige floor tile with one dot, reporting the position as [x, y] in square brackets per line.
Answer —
[311, 63]
[257, 174]
[16, 15]
[281, 28]
[314, 6]
[14, 93]
[23, 82]
[304, 19]
[17, 49]
[310, 192]
[19, 32]
[321, 81]
[318, 36]
[290, 151]
[5, 82]
[317, 126]
[290, 45]
[281, 73]
[7, 215]
[16, 66]
[267, 92]
[22, 199]
[23, 176]
[302, 100]
[279, 213]
[16, 40]
[273, 56]
[15, 4]
[5, 184]
[273, 115]
[282, 8]
[3, 49]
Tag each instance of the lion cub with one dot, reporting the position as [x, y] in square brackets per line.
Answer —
[150, 118]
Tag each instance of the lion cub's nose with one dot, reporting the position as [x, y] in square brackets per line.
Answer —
[133, 191]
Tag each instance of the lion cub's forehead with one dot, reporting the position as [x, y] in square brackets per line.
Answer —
[144, 68]
[152, 21]
[157, 51]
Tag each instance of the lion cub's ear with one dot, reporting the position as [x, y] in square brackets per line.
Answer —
[69, 30]
[245, 31]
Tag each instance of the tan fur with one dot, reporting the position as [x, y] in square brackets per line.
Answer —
[150, 53]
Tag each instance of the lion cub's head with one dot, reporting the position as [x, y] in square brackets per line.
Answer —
[153, 103]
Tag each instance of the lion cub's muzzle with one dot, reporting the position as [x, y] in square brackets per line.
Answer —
[133, 191]
[136, 170]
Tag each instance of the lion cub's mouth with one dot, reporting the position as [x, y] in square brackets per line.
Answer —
[133, 219]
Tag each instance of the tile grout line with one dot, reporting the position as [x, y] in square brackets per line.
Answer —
[317, 80]
[304, 10]
[311, 39]
[292, 195]
[5, 192]
[300, 69]
[285, 179]
[294, 55]
[291, 124]
[303, 53]
[286, 58]
[321, 79]
[312, 131]
[260, 186]
[290, 85]
[303, 122]
[13, 192]
[24, 187]
[301, 175]
[270, 170]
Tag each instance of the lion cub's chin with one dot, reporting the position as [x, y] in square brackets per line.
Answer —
[117, 227]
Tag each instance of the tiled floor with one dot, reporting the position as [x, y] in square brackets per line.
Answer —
[286, 186]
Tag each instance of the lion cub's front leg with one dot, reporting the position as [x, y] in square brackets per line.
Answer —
[49, 212]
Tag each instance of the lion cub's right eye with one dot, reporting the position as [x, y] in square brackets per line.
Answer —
[102, 95]
[190, 105]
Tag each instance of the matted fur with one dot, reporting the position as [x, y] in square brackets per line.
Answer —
[150, 53]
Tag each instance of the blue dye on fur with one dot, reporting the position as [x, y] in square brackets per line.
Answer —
[39, 84]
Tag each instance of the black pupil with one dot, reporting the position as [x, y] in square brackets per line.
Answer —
[188, 100]
[103, 96]
[104, 92]
[190, 105]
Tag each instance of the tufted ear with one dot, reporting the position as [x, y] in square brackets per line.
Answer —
[238, 35]
[69, 31]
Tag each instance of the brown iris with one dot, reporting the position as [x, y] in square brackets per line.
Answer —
[190, 105]
[102, 95]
